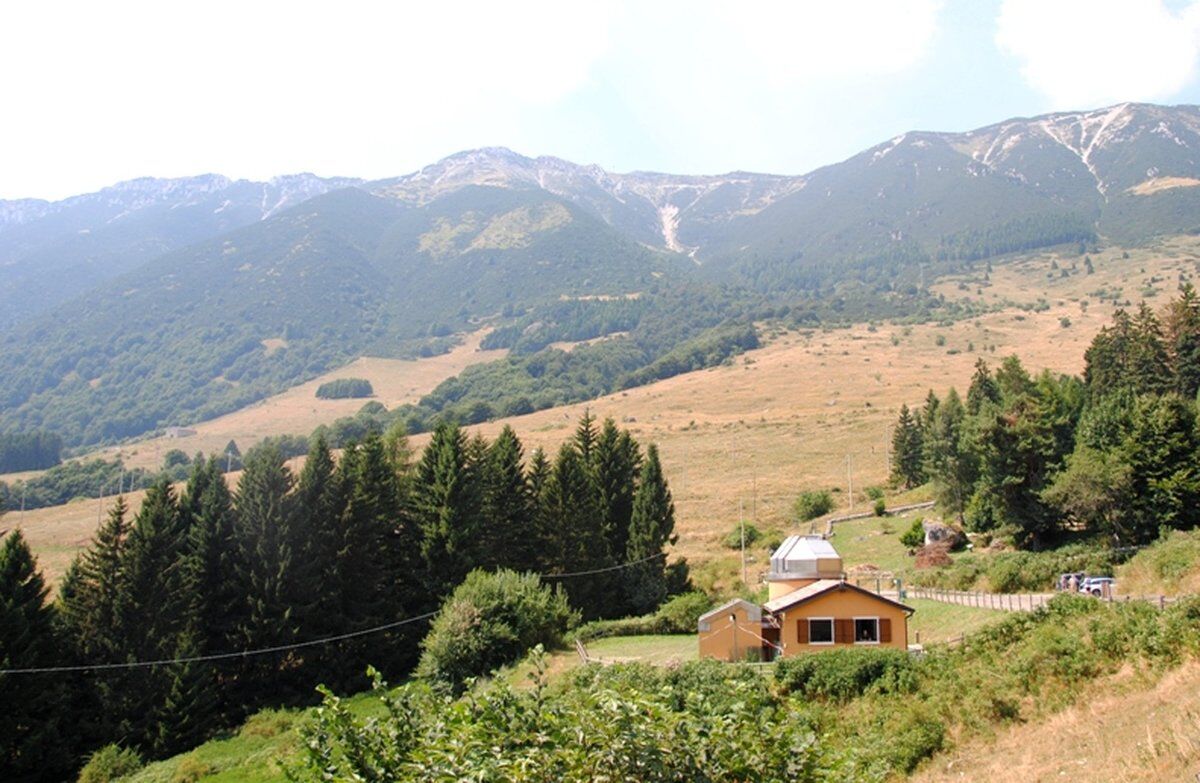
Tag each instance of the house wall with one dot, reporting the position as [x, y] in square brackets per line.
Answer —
[781, 587]
[725, 643]
[843, 604]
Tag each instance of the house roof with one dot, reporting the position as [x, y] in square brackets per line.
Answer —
[753, 611]
[819, 588]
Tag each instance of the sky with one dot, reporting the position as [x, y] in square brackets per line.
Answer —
[98, 92]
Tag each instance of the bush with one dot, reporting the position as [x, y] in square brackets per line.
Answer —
[880, 507]
[490, 620]
[681, 613]
[733, 540]
[811, 505]
[914, 537]
[345, 388]
[874, 493]
[678, 615]
[110, 763]
[844, 674]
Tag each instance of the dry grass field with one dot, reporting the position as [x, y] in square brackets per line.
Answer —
[298, 411]
[808, 410]
[1127, 732]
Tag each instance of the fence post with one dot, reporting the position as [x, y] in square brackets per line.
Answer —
[1161, 603]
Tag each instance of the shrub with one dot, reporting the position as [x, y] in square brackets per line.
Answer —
[345, 388]
[678, 615]
[813, 504]
[874, 493]
[110, 763]
[914, 537]
[490, 620]
[880, 507]
[681, 613]
[843, 674]
[733, 539]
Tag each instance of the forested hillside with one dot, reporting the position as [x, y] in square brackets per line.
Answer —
[51, 252]
[1040, 460]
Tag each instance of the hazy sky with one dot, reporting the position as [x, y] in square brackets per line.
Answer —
[97, 92]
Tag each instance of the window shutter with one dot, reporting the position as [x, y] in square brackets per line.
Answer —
[885, 630]
[843, 631]
[802, 631]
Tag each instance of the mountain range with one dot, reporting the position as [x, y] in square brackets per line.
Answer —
[156, 302]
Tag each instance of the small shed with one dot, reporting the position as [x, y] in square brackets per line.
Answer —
[732, 631]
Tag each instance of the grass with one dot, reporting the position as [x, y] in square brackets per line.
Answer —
[1123, 732]
[874, 541]
[935, 621]
[1170, 566]
[648, 649]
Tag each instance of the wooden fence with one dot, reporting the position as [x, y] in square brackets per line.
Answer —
[1017, 602]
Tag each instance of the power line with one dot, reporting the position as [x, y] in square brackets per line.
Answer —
[285, 647]
[598, 570]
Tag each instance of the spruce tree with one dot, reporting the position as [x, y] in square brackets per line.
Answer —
[265, 561]
[366, 569]
[153, 607]
[212, 548]
[616, 462]
[34, 724]
[586, 435]
[446, 508]
[576, 535]
[948, 456]
[983, 389]
[908, 461]
[190, 708]
[1182, 327]
[317, 542]
[651, 529]
[509, 539]
[538, 474]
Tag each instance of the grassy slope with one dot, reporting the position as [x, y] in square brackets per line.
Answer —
[1124, 731]
[785, 417]
[1167, 567]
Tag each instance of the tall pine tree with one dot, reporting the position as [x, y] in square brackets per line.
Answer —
[446, 508]
[651, 529]
[36, 719]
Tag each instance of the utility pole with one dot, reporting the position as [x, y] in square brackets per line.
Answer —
[742, 525]
[850, 480]
[887, 450]
[754, 497]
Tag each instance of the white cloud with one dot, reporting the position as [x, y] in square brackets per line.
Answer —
[1084, 53]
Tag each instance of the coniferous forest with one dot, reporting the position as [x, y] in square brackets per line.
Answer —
[1115, 454]
[364, 546]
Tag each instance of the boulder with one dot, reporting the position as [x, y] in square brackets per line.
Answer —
[943, 535]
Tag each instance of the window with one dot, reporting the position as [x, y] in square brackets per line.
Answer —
[866, 630]
[820, 630]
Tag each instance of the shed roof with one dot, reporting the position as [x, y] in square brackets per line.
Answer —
[819, 588]
[753, 611]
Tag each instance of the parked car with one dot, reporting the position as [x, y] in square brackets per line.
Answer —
[1099, 586]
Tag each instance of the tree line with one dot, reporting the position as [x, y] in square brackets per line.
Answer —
[1114, 453]
[374, 537]
[32, 450]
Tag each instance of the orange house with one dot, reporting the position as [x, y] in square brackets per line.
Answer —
[811, 608]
